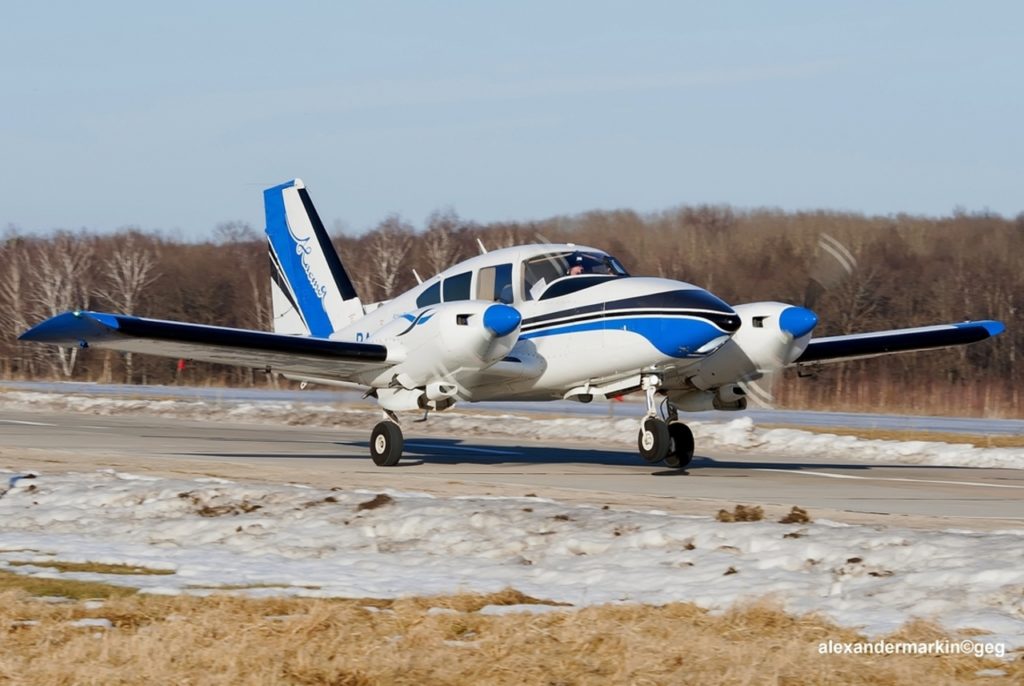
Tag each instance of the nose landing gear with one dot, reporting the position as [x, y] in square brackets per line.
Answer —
[658, 440]
[681, 453]
[654, 441]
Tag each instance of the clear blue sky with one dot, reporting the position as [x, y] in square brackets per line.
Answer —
[176, 115]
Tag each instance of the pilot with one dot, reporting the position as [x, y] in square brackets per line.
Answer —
[577, 264]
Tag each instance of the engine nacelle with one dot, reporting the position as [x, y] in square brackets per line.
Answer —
[731, 394]
[773, 334]
[435, 344]
[411, 399]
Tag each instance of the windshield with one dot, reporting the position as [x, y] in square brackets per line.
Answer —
[540, 271]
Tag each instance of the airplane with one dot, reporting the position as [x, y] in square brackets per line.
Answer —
[539, 322]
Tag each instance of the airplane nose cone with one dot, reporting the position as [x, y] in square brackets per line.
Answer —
[501, 320]
[797, 321]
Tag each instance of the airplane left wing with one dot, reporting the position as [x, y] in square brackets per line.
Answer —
[860, 345]
[223, 345]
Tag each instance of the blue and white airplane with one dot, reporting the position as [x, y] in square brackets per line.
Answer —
[531, 323]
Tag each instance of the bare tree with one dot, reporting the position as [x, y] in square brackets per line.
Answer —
[235, 232]
[250, 251]
[389, 244]
[127, 273]
[63, 267]
[13, 289]
[440, 248]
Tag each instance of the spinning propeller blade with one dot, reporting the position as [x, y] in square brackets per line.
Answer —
[833, 264]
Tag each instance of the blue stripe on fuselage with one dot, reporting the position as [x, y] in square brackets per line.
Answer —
[671, 336]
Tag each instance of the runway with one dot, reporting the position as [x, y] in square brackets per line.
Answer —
[630, 408]
[846, 491]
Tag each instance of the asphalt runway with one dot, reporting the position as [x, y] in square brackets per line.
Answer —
[632, 407]
[848, 491]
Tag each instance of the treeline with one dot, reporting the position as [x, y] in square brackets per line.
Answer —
[911, 271]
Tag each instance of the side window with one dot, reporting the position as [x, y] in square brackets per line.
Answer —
[457, 287]
[431, 296]
[495, 283]
[485, 284]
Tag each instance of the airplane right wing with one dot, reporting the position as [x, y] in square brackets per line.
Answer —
[298, 355]
[861, 345]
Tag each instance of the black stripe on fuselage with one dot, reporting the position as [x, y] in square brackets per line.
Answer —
[345, 287]
[715, 318]
[686, 300]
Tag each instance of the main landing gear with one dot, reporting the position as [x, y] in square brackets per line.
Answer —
[659, 440]
[386, 443]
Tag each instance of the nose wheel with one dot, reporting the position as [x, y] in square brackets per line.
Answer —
[681, 453]
[658, 440]
[654, 441]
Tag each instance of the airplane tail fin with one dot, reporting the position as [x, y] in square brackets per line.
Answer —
[312, 293]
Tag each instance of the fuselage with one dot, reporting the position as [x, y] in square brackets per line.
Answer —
[580, 334]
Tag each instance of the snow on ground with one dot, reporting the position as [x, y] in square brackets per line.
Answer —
[738, 435]
[298, 540]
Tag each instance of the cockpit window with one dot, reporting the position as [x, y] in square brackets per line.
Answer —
[542, 270]
[431, 296]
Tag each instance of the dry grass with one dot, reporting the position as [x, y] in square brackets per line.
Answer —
[247, 587]
[741, 513]
[977, 440]
[95, 567]
[231, 640]
[204, 509]
[64, 588]
[797, 515]
[379, 500]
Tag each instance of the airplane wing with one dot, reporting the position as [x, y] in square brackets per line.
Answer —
[860, 345]
[240, 347]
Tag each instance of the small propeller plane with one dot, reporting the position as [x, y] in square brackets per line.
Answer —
[531, 323]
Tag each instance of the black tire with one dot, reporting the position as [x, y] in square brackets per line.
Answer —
[653, 441]
[681, 453]
[386, 444]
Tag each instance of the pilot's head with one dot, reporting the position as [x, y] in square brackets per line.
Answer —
[577, 264]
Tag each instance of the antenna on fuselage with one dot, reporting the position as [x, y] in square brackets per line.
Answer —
[483, 250]
[416, 274]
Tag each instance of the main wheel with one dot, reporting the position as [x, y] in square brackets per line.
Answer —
[386, 444]
[681, 453]
[654, 440]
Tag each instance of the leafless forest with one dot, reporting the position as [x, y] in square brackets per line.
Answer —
[912, 271]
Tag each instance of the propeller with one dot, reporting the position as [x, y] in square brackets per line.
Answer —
[833, 264]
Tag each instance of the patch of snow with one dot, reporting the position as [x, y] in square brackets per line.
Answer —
[299, 542]
[529, 609]
[433, 611]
